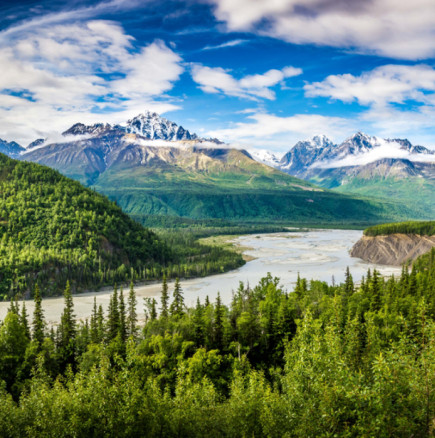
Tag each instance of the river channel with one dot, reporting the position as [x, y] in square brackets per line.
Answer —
[316, 254]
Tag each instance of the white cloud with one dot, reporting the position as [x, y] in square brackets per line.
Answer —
[217, 80]
[231, 43]
[385, 84]
[281, 133]
[400, 99]
[383, 149]
[397, 29]
[60, 74]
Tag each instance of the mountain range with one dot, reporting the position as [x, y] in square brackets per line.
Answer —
[364, 165]
[152, 166]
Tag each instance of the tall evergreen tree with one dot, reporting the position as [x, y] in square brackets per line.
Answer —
[94, 324]
[122, 316]
[198, 324]
[164, 298]
[218, 326]
[132, 315]
[113, 317]
[153, 312]
[348, 283]
[24, 319]
[38, 323]
[177, 306]
[100, 324]
[68, 327]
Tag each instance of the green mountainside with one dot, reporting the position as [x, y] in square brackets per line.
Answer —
[191, 181]
[54, 230]
[412, 184]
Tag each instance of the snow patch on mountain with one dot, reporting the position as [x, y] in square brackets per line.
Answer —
[264, 156]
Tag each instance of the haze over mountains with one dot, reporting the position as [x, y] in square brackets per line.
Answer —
[151, 165]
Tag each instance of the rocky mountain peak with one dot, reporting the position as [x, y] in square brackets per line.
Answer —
[12, 149]
[154, 127]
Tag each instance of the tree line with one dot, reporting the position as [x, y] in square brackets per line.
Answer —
[323, 360]
[422, 228]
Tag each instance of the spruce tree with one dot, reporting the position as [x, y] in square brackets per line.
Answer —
[177, 306]
[132, 315]
[113, 317]
[164, 298]
[94, 324]
[153, 313]
[198, 324]
[38, 324]
[100, 324]
[348, 283]
[218, 326]
[68, 327]
[24, 319]
[122, 317]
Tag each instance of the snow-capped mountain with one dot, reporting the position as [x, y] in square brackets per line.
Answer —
[304, 154]
[356, 150]
[265, 157]
[152, 126]
[12, 149]
[149, 126]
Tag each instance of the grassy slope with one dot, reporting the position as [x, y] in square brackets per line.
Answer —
[255, 193]
[416, 193]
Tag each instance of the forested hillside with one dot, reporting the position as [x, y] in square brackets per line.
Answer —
[324, 360]
[52, 230]
[423, 228]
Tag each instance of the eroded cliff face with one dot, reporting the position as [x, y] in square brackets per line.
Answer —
[393, 249]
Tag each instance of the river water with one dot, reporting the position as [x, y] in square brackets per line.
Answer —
[317, 254]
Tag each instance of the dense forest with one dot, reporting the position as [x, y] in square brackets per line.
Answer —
[323, 360]
[422, 228]
[53, 230]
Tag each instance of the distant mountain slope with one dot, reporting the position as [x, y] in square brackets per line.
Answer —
[11, 149]
[52, 230]
[368, 166]
[194, 177]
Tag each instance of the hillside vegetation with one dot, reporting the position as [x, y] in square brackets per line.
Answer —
[324, 360]
[423, 228]
[52, 230]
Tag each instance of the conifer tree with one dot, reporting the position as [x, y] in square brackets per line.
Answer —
[122, 316]
[68, 327]
[113, 317]
[218, 327]
[38, 323]
[348, 283]
[100, 324]
[164, 298]
[132, 315]
[24, 320]
[153, 312]
[94, 324]
[198, 324]
[177, 306]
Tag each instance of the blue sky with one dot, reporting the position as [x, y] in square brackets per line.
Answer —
[254, 73]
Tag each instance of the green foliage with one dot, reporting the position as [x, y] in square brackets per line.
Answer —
[426, 228]
[53, 230]
[324, 360]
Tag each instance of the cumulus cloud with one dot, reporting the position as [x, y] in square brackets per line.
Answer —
[399, 99]
[281, 133]
[218, 80]
[64, 73]
[397, 29]
[385, 84]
